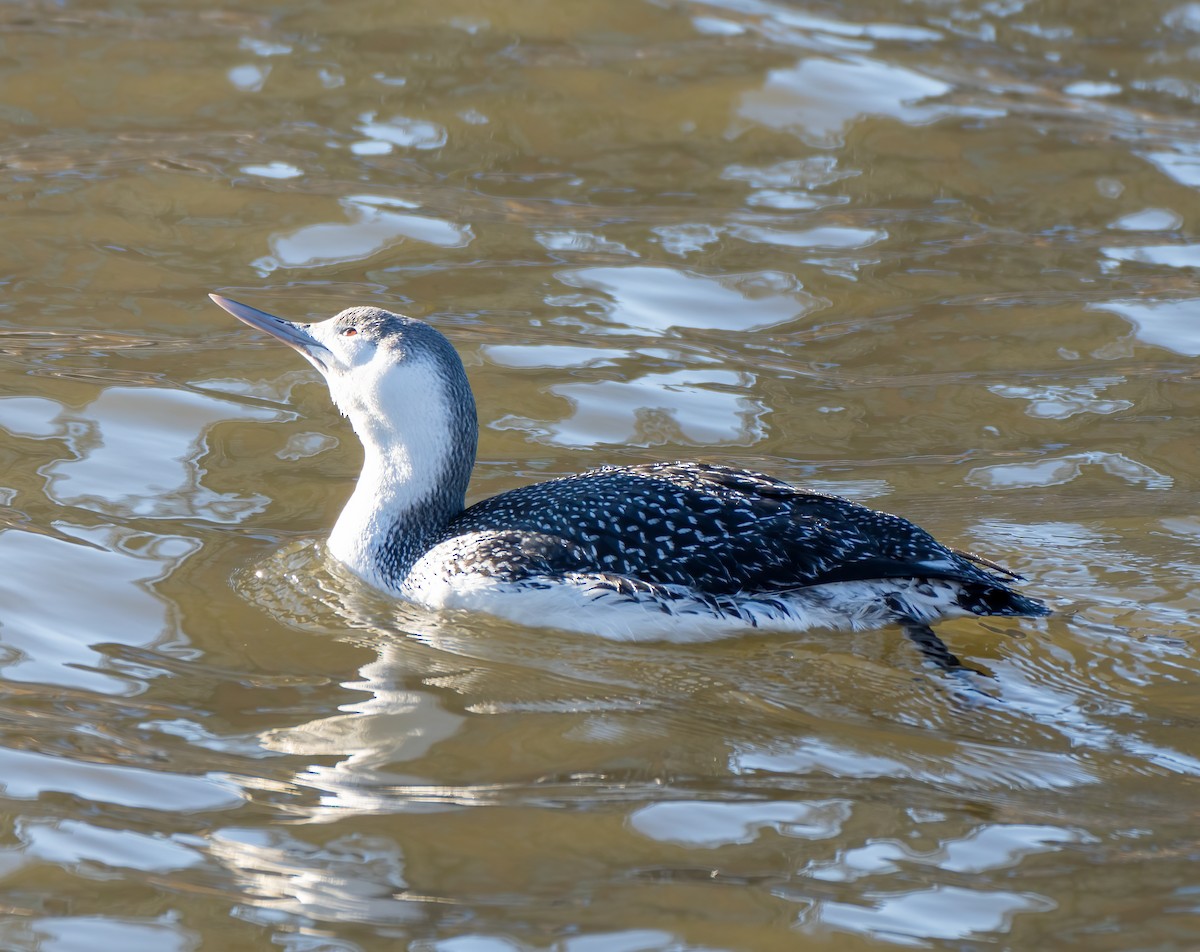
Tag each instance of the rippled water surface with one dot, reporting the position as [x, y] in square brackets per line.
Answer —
[936, 256]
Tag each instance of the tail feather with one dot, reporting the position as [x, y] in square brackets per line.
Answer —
[981, 599]
[1009, 574]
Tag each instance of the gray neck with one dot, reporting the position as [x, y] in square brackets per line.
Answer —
[417, 462]
[415, 525]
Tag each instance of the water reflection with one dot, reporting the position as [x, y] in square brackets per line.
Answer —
[395, 724]
[829, 237]
[31, 776]
[973, 765]
[881, 886]
[680, 407]
[130, 452]
[373, 227]
[580, 241]
[658, 300]
[818, 98]
[914, 918]
[939, 261]
[273, 170]
[1169, 324]
[382, 135]
[287, 878]
[712, 825]
[1173, 256]
[696, 406]
[1181, 163]
[1057, 470]
[249, 77]
[139, 451]
[54, 640]
[683, 240]
[64, 934]
[1059, 401]
[74, 843]
[1149, 219]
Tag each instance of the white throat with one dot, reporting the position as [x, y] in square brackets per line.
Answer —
[413, 478]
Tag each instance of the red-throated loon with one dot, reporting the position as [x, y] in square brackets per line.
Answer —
[673, 551]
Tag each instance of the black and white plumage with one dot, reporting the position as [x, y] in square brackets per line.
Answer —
[681, 551]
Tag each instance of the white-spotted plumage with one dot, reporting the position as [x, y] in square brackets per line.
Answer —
[678, 551]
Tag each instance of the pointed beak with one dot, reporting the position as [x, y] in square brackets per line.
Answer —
[294, 335]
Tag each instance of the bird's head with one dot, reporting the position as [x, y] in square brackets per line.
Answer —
[393, 376]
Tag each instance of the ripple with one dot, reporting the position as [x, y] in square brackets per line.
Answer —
[273, 170]
[70, 843]
[988, 847]
[28, 775]
[1171, 256]
[807, 173]
[940, 912]
[716, 26]
[658, 300]
[346, 879]
[1169, 324]
[264, 47]
[304, 445]
[683, 407]
[1060, 401]
[967, 765]
[139, 451]
[402, 131]
[76, 933]
[1057, 470]
[685, 239]
[818, 99]
[830, 236]
[1149, 219]
[249, 78]
[712, 825]
[792, 199]
[580, 241]
[373, 227]
[53, 640]
[1181, 163]
[535, 356]
[1091, 90]
[643, 211]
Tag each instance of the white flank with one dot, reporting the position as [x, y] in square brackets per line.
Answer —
[583, 604]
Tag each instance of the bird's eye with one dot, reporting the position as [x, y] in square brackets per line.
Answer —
[350, 332]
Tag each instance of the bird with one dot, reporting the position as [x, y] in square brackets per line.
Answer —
[672, 551]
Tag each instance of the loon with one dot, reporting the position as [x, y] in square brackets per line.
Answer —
[678, 551]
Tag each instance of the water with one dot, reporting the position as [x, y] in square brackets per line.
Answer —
[938, 257]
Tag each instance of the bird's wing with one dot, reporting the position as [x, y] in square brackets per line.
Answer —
[712, 528]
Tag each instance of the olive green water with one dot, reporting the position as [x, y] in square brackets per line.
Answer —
[939, 257]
